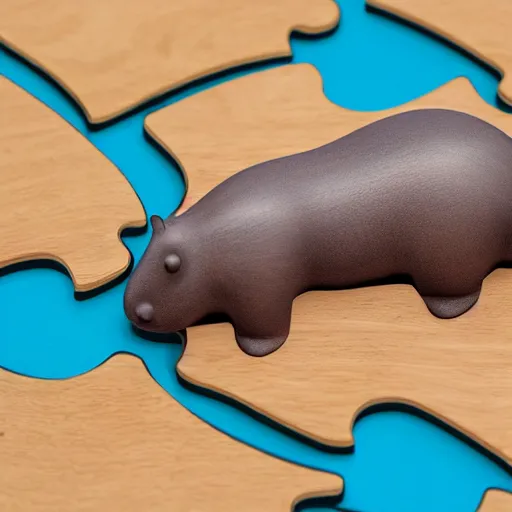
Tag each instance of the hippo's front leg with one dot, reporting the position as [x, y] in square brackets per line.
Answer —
[262, 325]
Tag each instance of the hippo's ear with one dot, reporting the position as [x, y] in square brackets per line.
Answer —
[157, 223]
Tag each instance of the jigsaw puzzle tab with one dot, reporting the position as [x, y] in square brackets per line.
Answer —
[349, 350]
[481, 27]
[496, 501]
[112, 439]
[60, 198]
[274, 113]
[112, 55]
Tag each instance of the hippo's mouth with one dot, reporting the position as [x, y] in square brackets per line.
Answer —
[145, 318]
[152, 327]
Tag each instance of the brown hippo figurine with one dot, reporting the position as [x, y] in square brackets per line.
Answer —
[425, 194]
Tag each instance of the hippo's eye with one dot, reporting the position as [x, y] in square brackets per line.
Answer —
[172, 263]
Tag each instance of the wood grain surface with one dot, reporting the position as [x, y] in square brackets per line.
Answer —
[496, 501]
[274, 113]
[481, 27]
[348, 349]
[352, 349]
[60, 198]
[111, 55]
[112, 439]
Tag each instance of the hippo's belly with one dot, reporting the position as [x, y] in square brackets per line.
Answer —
[415, 212]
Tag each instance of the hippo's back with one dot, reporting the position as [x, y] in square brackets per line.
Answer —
[414, 156]
[426, 193]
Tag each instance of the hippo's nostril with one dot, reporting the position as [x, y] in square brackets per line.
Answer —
[144, 312]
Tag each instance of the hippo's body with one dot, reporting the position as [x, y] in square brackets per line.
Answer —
[426, 193]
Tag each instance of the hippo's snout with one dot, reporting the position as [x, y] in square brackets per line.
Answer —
[144, 312]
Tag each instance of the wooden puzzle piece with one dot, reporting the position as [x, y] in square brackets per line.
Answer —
[60, 198]
[481, 27]
[274, 113]
[496, 501]
[112, 55]
[349, 350]
[112, 439]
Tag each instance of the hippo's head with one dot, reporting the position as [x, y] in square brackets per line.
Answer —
[165, 292]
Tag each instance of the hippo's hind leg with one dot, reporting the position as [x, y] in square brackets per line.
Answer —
[263, 326]
[450, 278]
[451, 307]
